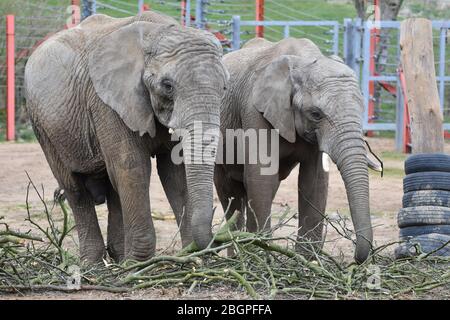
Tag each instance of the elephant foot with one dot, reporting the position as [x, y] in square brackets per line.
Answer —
[141, 250]
[139, 256]
[116, 252]
[93, 257]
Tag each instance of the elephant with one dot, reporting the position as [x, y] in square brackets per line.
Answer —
[315, 103]
[103, 98]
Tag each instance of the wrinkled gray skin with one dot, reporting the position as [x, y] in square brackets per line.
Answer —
[316, 104]
[101, 98]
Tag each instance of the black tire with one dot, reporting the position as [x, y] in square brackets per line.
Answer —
[424, 244]
[426, 181]
[426, 198]
[409, 232]
[427, 162]
[421, 216]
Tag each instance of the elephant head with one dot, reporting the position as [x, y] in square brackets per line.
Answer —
[173, 75]
[317, 98]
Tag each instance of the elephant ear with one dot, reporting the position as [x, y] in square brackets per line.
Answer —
[116, 66]
[272, 93]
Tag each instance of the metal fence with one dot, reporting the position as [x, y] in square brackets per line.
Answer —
[29, 33]
[384, 103]
[33, 24]
[328, 44]
[375, 62]
[120, 8]
[117, 7]
[216, 16]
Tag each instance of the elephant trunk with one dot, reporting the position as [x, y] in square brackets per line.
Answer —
[199, 152]
[349, 154]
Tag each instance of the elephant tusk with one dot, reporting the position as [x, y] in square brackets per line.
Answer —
[325, 162]
[171, 131]
[374, 166]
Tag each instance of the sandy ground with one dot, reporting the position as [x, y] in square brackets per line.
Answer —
[385, 200]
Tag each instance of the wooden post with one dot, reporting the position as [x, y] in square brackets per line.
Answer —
[10, 79]
[374, 40]
[259, 17]
[417, 58]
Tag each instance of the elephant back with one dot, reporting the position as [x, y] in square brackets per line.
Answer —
[99, 25]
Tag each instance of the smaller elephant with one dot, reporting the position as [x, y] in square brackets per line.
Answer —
[315, 103]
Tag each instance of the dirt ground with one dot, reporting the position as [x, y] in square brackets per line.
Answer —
[385, 201]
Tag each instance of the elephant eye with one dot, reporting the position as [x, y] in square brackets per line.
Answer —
[316, 115]
[167, 86]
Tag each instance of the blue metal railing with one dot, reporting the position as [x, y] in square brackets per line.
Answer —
[89, 8]
[237, 23]
[356, 41]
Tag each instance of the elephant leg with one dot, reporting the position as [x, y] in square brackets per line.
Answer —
[116, 236]
[173, 180]
[129, 169]
[312, 201]
[132, 184]
[232, 196]
[92, 247]
[127, 158]
[261, 190]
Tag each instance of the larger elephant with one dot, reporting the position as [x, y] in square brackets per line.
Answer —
[102, 98]
[315, 103]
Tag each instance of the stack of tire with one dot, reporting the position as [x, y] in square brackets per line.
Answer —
[424, 220]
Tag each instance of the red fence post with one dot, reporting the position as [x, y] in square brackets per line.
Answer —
[10, 79]
[183, 12]
[260, 17]
[406, 121]
[76, 12]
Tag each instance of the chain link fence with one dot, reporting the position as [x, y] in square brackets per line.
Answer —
[34, 22]
[216, 16]
[37, 20]
[380, 84]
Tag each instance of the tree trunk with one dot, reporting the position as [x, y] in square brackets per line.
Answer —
[416, 43]
[360, 6]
